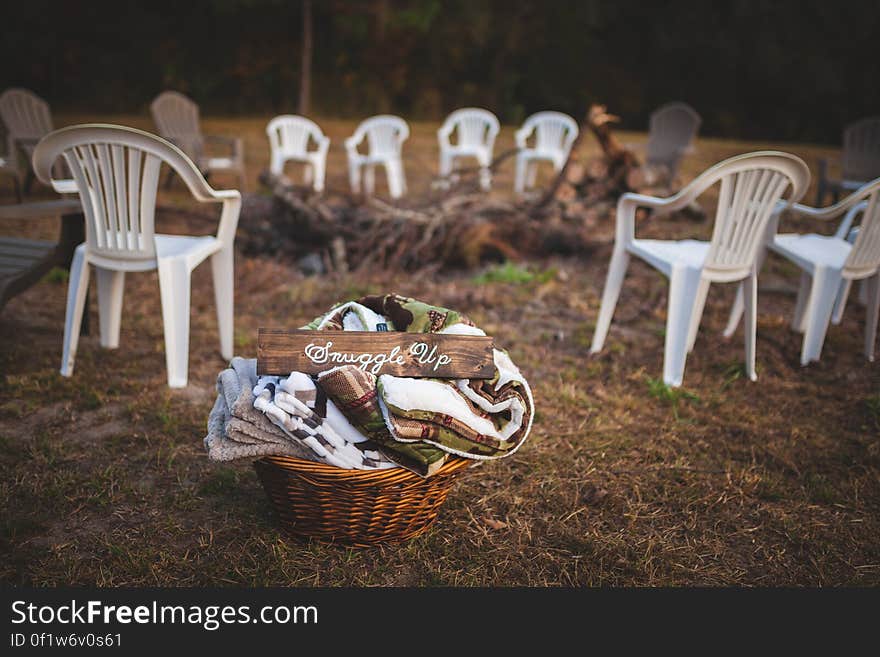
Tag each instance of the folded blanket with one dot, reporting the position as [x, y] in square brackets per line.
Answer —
[355, 393]
[477, 419]
[235, 428]
[300, 422]
[242, 425]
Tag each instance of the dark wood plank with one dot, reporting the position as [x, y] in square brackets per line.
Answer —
[40, 209]
[20, 243]
[24, 259]
[280, 352]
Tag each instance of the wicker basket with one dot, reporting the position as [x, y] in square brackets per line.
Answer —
[354, 507]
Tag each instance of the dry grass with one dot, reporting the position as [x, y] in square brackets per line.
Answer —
[623, 482]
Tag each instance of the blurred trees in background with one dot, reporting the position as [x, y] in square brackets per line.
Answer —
[780, 70]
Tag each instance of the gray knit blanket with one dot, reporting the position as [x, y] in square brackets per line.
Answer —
[236, 429]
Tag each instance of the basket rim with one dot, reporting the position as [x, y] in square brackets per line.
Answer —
[386, 475]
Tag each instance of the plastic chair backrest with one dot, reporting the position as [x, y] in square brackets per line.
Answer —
[25, 115]
[751, 187]
[475, 126]
[861, 150]
[671, 129]
[555, 132]
[290, 134]
[864, 257]
[115, 169]
[385, 134]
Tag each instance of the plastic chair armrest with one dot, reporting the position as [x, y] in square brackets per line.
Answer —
[231, 200]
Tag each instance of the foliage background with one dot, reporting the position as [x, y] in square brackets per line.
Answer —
[783, 70]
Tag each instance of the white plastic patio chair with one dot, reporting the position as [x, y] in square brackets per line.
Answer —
[829, 264]
[751, 186]
[27, 119]
[555, 133]
[116, 173]
[859, 162]
[475, 131]
[385, 135]
[177, 119]
[289, 140]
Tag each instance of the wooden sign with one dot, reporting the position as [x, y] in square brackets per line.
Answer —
[434, 355]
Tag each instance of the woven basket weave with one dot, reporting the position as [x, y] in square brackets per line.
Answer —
[354, 507]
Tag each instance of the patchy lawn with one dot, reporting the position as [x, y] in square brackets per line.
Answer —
[622, 482]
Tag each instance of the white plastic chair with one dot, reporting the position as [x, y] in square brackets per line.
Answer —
[385, 135]
[859, 162]
[829, 264]
[116, 173]
[27, 119]
[751, 186]
[289, 139]
[555, 133]
[177, 120]
[475, 130]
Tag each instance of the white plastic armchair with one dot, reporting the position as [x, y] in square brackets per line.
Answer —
[177, 119]
[475, 130]
[555, 133]
[289, 139]
[751, 186]
[116, 173]
[859, 162]
[829, 264]
[385, 135]
[27, 119]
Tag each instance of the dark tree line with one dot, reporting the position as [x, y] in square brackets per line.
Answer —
[780, 70]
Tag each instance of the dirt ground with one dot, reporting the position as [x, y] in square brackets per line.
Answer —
[622, 482]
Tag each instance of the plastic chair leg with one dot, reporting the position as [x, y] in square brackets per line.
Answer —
[174, 288]
[798, 320]
[111, 285]
[613, 284]
[320, 175]
[697, 315]
[683, 287]
[863, 292]
[840, 301]
[77, 288]
[531, 174]
[222, 267]
[308, 174]
[445, 164]
[369, 179]
[871, 316]
[826, 283]
[519, 181]
[750, 303]
[485, 179]
[354, 178]
[401, 176]
[393, 175]
[736, 312]
[485, 174]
